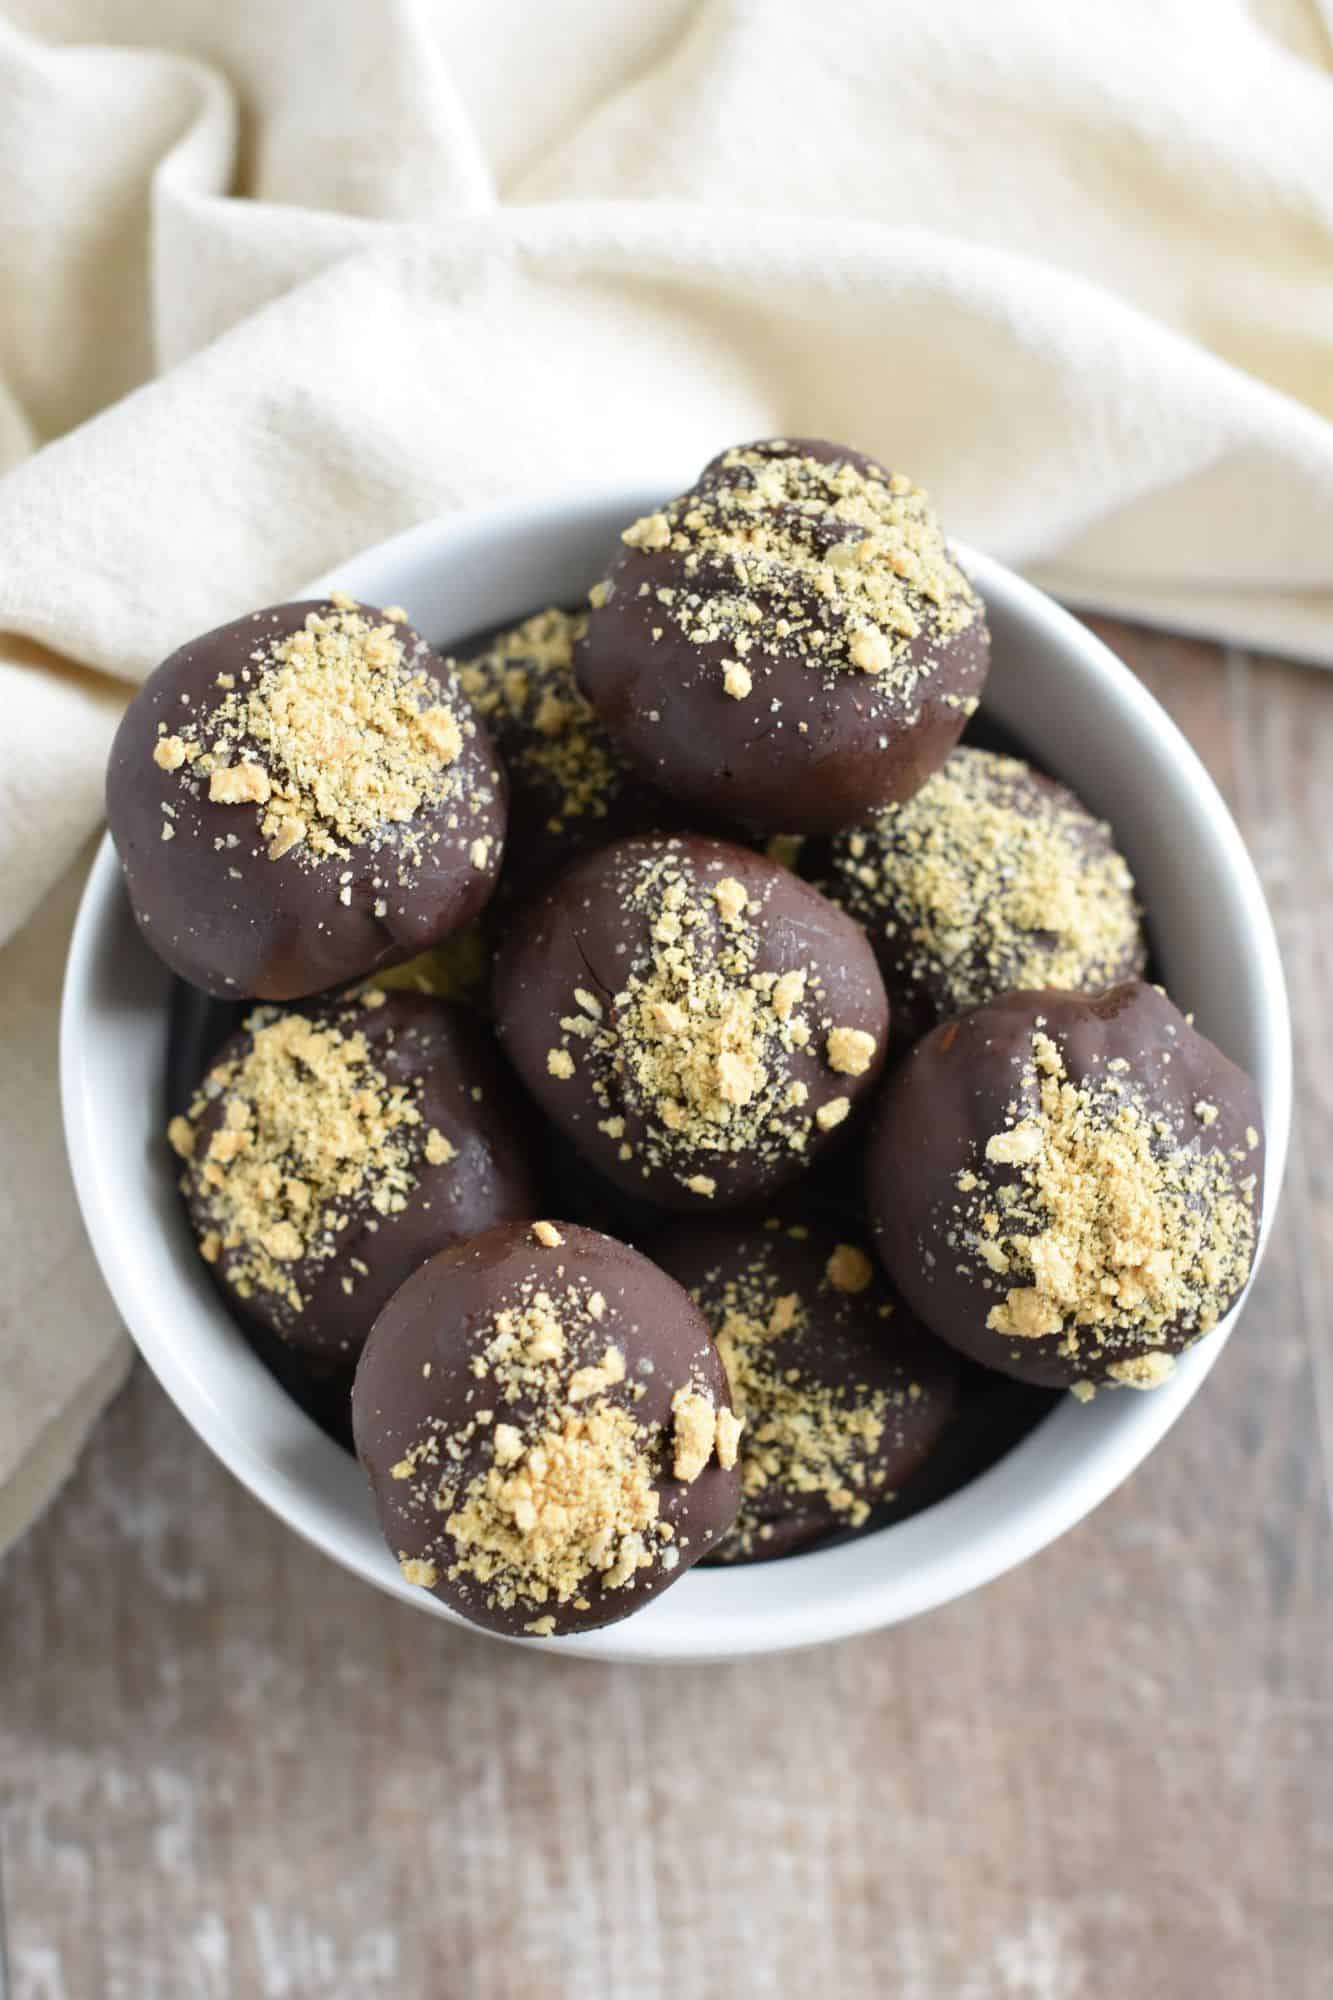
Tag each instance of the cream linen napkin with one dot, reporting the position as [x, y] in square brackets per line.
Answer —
[279, 279]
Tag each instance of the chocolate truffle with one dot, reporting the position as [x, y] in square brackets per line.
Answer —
[303, 797]
[1068, 1188]
[569, 787]
[841, 1393]
[790, 643]
[694, 1017]
[547, 1431]
[993, 879]
[328, 1151]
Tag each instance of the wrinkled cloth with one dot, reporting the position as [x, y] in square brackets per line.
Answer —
[281, 279]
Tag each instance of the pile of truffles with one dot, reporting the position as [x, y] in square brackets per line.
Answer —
[567, 960]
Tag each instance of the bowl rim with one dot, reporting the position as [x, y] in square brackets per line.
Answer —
[939, 1565]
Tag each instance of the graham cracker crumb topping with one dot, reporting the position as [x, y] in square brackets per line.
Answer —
[699, 1038]
[850, 1051]
[334, 733]
[849, 1269]
[1113, 1229]
[844, 567]
[567, 1488]
[524, 686]
[992, 883]
[312, 1131]
[801, 1435]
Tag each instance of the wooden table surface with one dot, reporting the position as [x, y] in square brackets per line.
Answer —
[228, 1769]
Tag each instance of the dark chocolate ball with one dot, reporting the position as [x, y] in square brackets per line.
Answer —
[570, 788]
[790, 643]
[547, 1431]
[1068, 1188]
[329, 1150]
[694, 1017]
[993, 879]
[842, 1393]
[300, 798]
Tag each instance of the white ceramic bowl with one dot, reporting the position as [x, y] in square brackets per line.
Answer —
[1081, 713]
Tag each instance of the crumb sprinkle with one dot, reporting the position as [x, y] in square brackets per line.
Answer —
[337, 736]
[845, 565]
[1107, 1229]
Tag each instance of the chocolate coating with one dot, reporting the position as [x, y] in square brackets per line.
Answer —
[993, 879]
[570, 788]
[1068, 1187]
[393, 1203]
[843, 1393]
[429, 1370]
[215, 900]
[814, 742]
[687, 1086]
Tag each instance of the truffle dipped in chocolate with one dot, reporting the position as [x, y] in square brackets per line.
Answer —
[570, 788]
[1068, 1188]
[993, 879]
[698, 1020]
[328, 1151]
[547, 1430]
[301, 798]
[790, 643]
[842, 1393]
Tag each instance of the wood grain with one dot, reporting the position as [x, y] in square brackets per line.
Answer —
[227, 1769]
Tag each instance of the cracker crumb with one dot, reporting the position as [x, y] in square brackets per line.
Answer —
[651, 533]
[287, 834]
[547, 1234]
[506, 1444]
[731, 899]
[832, 1114]
[694, 1430]
[560, 1063]
[597, 1377]
[850, 1051]
[703, 1184]
[849, 1269]
[238, 784]
[788, 993]
[870, 650]
[1143, 1371]
[727, 1438]
[439, 1150]
[736, 680]
[424, 1574]
[169, 753]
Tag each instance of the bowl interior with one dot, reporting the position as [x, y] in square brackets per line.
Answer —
[1083, 715]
